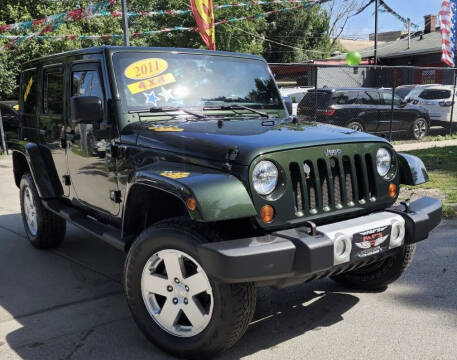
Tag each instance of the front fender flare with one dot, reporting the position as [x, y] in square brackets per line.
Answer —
[220, 196]
[412, 170]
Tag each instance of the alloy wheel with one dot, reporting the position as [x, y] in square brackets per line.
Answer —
[177, 293]
[420, 129]
[30, 211]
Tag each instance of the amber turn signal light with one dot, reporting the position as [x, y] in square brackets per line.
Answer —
[267, 213]
[191, 204]
[392, 190]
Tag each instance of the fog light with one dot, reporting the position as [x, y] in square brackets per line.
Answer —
[267, 213]
[392, 190]
[397, 235]
[342, 248]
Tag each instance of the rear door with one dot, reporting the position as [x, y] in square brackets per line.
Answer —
[368, 112]
[437, 102]
[51, 119]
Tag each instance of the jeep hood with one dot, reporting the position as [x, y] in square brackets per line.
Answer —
[211, 138]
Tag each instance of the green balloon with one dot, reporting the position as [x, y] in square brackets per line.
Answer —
[353, 58]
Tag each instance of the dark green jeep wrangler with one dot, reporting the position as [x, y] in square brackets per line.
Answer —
[188, 161]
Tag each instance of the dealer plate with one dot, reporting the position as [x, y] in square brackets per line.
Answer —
[370, 242]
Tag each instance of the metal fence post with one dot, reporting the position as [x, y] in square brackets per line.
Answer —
[453, 103]
[315, 93]
[392, 105]
[2, 134]
[391, 113]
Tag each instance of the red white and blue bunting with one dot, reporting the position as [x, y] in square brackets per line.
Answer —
[448, 16]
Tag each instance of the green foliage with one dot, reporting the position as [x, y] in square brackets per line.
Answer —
[304, 33]
[304, 30]
[442, 169]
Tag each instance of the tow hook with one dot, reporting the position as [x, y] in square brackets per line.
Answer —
[312, 228]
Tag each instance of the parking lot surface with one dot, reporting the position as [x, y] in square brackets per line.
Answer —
[68, 303]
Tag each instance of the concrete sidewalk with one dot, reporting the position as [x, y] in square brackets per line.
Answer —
[425, 145]
[68, 304]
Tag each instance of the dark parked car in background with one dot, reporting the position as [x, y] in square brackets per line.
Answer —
[365, 109]
[10, 118]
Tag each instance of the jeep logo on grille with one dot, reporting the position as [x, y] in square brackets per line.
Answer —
[332, 152]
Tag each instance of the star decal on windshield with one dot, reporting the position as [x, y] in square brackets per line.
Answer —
[151, 98]
[166, 94]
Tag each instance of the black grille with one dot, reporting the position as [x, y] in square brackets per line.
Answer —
[332, 183]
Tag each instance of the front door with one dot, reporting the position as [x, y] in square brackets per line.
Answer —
[92, 176]
[369, 113]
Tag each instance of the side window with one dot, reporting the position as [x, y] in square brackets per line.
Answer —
[345, 98]
[369, 98]
[29, 91]
[53, 85]
[86, 83]
[387, 98]
[435, 94]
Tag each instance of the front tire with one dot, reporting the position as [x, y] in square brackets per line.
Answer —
[44, 229]
[176, 304]
[419, 129]
[381, 274]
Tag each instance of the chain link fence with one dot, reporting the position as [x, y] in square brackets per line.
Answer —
[401, 102]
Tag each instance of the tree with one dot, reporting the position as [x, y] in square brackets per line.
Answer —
[297, 36]
[340, 11]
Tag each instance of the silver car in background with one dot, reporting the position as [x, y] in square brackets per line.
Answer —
[436, 99]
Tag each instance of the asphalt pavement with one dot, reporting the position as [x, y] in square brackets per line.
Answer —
[68, 303]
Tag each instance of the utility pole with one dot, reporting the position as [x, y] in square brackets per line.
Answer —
[125, 23]
[409, 33]
[376, 32]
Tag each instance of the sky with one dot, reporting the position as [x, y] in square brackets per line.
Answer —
[363, 24]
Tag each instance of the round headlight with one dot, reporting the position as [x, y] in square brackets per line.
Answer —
[265, 177]
[383, 161]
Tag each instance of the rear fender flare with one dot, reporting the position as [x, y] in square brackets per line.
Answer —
[42, 169]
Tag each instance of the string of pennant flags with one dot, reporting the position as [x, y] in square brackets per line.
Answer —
[51, 23]
[150, 32]
[68, 16]
[99, 10]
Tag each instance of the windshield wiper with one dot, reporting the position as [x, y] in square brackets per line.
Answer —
[167, 109]
[237, 107]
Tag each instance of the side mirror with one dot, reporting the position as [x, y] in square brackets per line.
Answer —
[288, 103]
[403, 103]
[86, 110]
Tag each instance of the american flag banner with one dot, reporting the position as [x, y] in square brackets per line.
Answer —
[448, 17]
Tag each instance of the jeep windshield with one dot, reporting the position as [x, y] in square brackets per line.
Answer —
[196, 82]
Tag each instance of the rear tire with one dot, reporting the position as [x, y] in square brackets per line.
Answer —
[356, 126]
[44, 229]
[227, 308]
[377, 276]
[419, 129]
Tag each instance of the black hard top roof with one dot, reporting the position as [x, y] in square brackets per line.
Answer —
[112, 49]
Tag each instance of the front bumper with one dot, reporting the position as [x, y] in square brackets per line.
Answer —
[291, 256]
